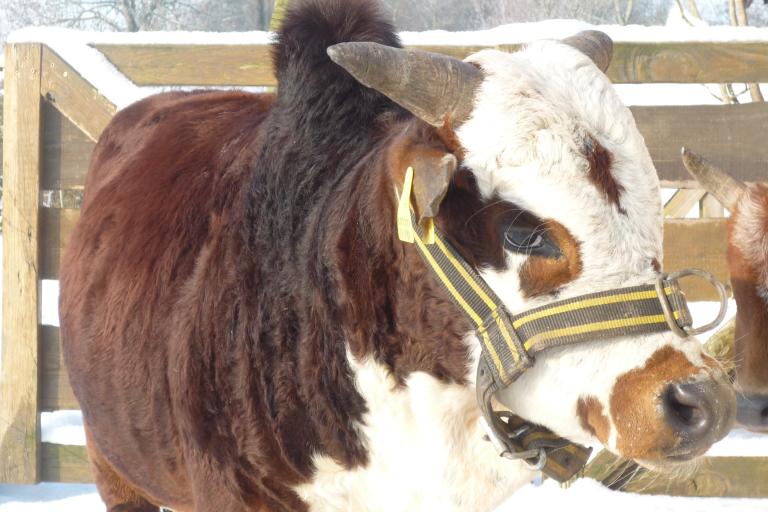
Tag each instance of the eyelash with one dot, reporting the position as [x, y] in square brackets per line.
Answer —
[531, 242]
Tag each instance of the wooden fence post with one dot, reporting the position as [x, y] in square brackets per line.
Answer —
[19, 416]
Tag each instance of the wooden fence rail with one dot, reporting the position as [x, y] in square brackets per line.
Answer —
[52, 117]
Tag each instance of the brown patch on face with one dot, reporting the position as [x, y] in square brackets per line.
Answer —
[540, 275]
[635, 404]
[751, 337]
[592, 419]
[600, 161]
[655, 265]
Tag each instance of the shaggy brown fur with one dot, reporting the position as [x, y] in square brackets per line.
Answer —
[600, 161]
[748, 266]
[231, 248]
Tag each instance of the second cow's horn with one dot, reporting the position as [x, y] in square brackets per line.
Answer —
[717, 182]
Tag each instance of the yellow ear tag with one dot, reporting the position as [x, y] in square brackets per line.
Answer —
[404, 226]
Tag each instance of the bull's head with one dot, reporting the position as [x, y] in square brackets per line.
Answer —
[568, 203]
[748, 266]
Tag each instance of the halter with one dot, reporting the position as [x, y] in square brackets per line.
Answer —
[511, 342]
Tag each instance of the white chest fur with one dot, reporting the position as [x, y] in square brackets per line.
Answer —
[426, 452]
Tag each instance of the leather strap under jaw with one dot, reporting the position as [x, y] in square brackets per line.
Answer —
[511, 342]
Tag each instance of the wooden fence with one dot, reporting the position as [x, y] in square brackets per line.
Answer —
[53, 116]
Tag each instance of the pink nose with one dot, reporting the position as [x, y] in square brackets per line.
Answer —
[700, 413]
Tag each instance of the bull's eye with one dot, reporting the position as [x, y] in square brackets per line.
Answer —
[530, 241]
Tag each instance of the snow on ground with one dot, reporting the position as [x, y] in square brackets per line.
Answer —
[65, 427]
[584, 494]
[50, 498]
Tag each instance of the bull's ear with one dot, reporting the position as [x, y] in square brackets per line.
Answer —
[432, 173]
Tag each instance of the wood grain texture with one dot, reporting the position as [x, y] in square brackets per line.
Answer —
[20, 424]
[77, 99]
[688, 62]
[66, 151]
[731, 477]
[65, 464]
[682, 202]
[730, 136]
[192, 64]
[710, 207]
[699, 243]
[55, 229]
[1, 132]
[55, 390]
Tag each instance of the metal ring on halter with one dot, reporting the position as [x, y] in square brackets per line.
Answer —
[540, 462]
[686, 331]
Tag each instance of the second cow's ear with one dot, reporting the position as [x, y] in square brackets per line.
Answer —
[432, 173]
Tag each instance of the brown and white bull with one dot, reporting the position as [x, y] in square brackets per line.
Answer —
[245, 331]
[748, 267]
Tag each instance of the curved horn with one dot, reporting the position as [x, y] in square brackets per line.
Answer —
[726, 189]
[429, 85]
[594, 44]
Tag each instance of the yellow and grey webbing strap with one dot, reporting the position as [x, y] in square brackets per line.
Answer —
[511, 342]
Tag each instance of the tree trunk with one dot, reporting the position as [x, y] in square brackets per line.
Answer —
[741, 20]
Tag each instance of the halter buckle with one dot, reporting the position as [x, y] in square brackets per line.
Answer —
[688, 330]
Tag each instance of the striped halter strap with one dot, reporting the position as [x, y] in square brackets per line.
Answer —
[511, 342]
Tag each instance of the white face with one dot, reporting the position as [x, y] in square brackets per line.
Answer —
[550, 135]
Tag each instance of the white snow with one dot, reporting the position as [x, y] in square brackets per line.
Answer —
[49, 302]
[50, 498]
[587, 494]
[62, 427]
[556, 29]
[584, 494]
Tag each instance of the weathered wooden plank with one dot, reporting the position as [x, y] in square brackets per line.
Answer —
[74, 96]
[729, 136]
[682, 202]
[55, 391]
[56, 227]
[689, 62]
[192, 64]
[1, 132]
[710, 207]
[697, 243]
[20, 426]
[65, 463]
[731, 477]
[680, 62]
[66, 151]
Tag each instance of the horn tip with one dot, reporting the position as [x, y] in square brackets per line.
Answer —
[597, 45]
[335, 52]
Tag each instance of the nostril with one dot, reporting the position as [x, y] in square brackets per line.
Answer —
[753, 411]
[686, 408]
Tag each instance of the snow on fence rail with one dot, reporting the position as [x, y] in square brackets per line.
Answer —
[56, 106]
